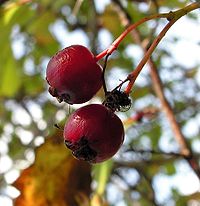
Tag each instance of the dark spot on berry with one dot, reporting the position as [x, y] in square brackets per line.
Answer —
[60, 98]
[64, 97]
[81, 150]
[53, 91]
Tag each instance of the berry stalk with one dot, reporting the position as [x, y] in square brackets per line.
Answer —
[173, 17]
[133, 76]
[169, 16]
[116, 43]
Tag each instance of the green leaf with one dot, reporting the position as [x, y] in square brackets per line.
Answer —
[33, 85]
[180, 200]
[40, 28]
[170, 169]
[10, 77]
[172, 4]
[9, 13]
[101, 174]
[16, 148]
[110, 20]
[140, 92]
[45, 43]
[14, 14]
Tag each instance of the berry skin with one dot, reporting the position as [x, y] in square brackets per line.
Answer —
[74, 75]
[93, 133]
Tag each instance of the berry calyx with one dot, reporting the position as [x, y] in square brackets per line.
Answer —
[74, 75]
[117, 100]
[94, 133]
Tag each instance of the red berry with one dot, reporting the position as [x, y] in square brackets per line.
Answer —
[93, 133]
[74, 75]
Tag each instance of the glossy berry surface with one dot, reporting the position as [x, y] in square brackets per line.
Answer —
[73, 75]
[93, 133]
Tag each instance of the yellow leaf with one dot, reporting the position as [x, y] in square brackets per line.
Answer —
[55, 179]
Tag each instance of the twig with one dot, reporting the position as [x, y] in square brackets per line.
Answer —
[184, 147]
[148, 196]
[151, 196]
[157, 84]
[144, 163]
[77, 7]
[103, 74]
[150, 151]
[92, 27]
[116, 43]
[133, 76]
[171, 16]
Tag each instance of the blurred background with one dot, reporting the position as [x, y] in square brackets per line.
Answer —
[35, 166]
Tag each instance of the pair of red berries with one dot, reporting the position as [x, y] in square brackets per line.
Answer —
[94, 133]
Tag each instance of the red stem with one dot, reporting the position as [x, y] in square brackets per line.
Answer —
[133, 76]
[115, 44]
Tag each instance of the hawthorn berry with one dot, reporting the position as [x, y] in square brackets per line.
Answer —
[94, 133]
[74, 75]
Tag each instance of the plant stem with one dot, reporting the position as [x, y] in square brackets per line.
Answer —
[185, 149]
[115, 44]
[171, 16]
[103, 74]
[133, 76]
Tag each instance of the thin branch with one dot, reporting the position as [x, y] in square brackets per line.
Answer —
[116, 43]
[92, 27]
[144, 163]
[158, 88]
[157, 84]
[150, 151]
[151, 196]
[133, 76]
[170, 16]
[184, 146]
[77, 7]
[103, 74]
